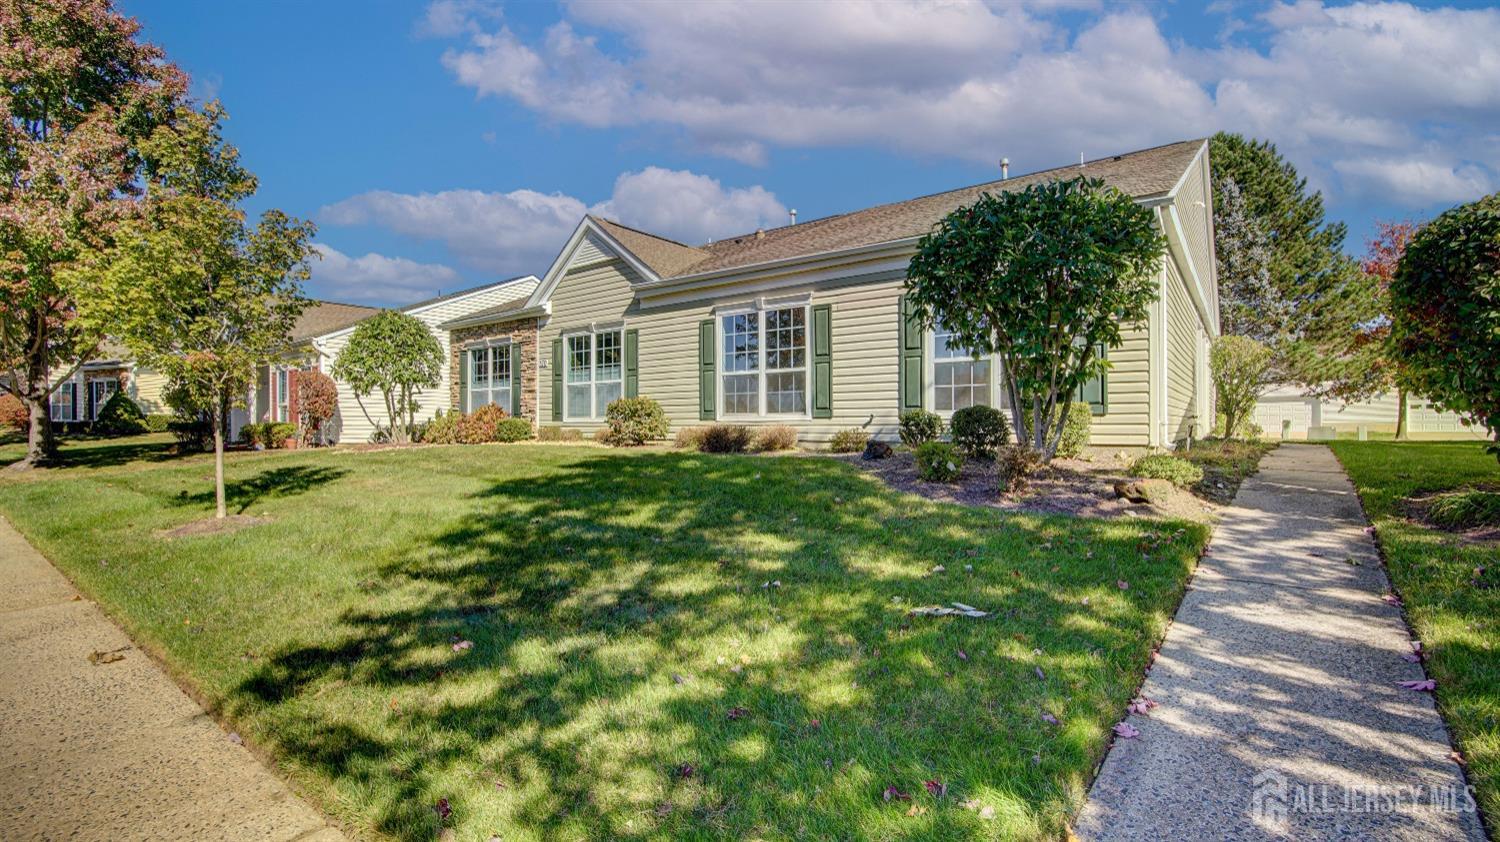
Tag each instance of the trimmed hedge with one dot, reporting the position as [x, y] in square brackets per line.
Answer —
[919, 427]
[852, 440]
[635, 421]
[939, 462]
[979, 431]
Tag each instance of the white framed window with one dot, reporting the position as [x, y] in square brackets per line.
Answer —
[63, 402]
[489, 377]
[959, 378]
[763, 357]
[283, 395]
[100, 391]
[594, 374]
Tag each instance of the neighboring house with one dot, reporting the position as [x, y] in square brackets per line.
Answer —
[321, 333]
[79, 398]
[1299, 412]
[805, 324]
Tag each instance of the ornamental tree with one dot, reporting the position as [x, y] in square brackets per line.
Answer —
[78, 92]
[1040, 277]
[1240, 367]
[395, 354]
[1445, 313]
[317, 403]
[191, 289]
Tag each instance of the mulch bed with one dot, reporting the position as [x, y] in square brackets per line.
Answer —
[1415, 509]
[212, 526]
[1080, 487]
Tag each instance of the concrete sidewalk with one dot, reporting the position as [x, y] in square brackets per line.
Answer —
[114, 751]
[1280, 715]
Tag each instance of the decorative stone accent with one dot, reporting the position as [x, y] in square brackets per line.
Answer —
[522, 333]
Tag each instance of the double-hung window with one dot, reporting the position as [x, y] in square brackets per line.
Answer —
[62, 401]
[489, 377]
[764, 362]
[595, 373]
[100, 391]
[283, 395]
[960, 378]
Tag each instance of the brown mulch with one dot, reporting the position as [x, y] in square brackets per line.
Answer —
[1080, 487]
[212, 526]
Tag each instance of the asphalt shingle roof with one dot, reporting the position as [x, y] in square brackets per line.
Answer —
[322, 317]
[1142, 174]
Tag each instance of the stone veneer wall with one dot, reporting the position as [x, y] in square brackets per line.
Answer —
[523, 334]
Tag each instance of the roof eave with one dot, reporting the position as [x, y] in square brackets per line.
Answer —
[543, 309]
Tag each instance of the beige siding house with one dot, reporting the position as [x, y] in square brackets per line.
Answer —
[804, 325]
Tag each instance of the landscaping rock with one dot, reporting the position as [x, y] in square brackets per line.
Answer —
[1136, 491]
[878, 450]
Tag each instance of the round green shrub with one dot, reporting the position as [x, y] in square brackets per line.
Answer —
[1076, 429]
[635, 421]
[513, 429]
[979, 431]
[919, 427]
[852, 440]
[775, 437]
[279, 433]
[939, 462]
[120, 416]
[1179, 472]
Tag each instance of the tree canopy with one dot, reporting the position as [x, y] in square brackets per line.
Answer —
[188, 286]
[1040, 277]
[78, 93]
[1445, 310]
[393, 353]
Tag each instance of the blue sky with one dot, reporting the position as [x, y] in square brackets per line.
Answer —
[448, 144]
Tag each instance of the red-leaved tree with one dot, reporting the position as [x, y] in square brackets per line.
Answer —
[317, 402]
[78, 91]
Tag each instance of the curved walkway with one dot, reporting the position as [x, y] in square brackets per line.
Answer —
[114, 750]
[1280, 711]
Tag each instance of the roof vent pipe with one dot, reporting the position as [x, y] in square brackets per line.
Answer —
[1004, 168]
[760, 233]
[1080, 159]
[793, 214]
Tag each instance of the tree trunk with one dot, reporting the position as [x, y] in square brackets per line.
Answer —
[220, 510]
[41, 445]
[1401, 415]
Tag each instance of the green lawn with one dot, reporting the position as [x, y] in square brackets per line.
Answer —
[1453, 606]
[665, 645]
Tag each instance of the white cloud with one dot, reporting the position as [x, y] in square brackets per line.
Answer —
[522, 231]
[1416, 182]
[1328, 84]
[375, 278]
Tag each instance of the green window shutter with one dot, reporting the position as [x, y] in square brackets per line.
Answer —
[517, 382]
[632, 364]
[707, 400]
[1095, 391]
[557, 378]
[822, 361]
[463, 379]
[913, 346]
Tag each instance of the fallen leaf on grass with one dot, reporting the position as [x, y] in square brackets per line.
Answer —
[893, 794]
[686, 770]
[737, 713]
[1425, 685]
[1122, 584]
[937, 789]
[1040, 674]
[915, 810]
[1126, 731]
[962, 655]
[1049, 718]
[443, 809]
[463, 645]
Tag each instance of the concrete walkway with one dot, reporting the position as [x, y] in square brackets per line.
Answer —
[114, 751]
[1280, 716]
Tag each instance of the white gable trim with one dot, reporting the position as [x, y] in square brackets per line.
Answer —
[563, 263]
[442, 302]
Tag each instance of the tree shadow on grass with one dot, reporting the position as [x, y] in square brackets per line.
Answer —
[624, 610]
[270, 484]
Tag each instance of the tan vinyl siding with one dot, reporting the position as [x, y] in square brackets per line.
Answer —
[1128, 421]
[147, 387]
[865, 338]
[351, 424]
[1182, 360]
[1194, 206]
